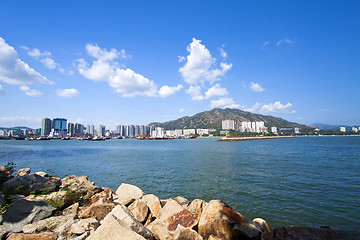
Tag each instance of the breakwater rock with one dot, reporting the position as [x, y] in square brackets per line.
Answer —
[39, 206]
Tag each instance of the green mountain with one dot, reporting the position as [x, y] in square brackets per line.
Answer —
[213, 118]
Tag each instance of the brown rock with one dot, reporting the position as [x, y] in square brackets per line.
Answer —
[182, 233]
[183, 218]
[96, 210]
[127, 193]
[23, 172]
[160, 231]
[182, 201]
[220, 220]
[171, 207]
[154, 204]
[106, 195]
[139, 209]
[71, 210]
[214, 238]
[304, 233]
[41, 236]
[197, 206]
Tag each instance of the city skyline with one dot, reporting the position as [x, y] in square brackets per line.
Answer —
[139, 62]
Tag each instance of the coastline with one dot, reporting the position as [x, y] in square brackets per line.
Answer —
[230, 139]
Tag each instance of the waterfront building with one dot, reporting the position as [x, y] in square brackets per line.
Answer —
[101, 130]
[188, 132]
[274, 130]
[342, 129]
[79, 129]
[46, 125]
[38, 131]
[297, 130]
[354, 129]
[202, 132]
[228, 125]
[71, 129]
[59, 127]
[92, 130]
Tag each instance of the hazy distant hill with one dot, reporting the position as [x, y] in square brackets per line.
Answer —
[213, 118]
[330, 127]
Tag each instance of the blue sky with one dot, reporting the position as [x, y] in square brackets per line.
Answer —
[135, 62]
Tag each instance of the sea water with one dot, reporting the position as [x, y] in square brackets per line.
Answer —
[303, 181]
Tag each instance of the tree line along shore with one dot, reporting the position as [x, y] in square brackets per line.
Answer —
[44, 207]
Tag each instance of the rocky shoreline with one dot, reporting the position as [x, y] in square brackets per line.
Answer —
[45, 207]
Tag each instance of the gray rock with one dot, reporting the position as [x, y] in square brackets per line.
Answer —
[23, 172]
[2, 200]
[48, 224]
[23, 212]
[29, 183]
[42, 174]
[84, 225]
[3, 231]
[80, 184]
[5, 173]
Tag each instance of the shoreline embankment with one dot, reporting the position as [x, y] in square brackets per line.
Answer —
[230, 139]
[45, 207]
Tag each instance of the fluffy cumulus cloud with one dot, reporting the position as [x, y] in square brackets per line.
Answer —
[200, 65]
[216, 91]
[105, 68]
[195, 93]
[30, 92]
[224, 102]
[256, 87]
[277, 107]
[67, 93]
[166, 91]
[14, 71]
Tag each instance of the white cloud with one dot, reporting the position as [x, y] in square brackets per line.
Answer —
[36, 53]
[223, 54]
[67, 93]
[2, 92]
[277, 107]
[265, 44]
[215, 91]
[256, 87]
[30, 92]
[49, 63]
[254, 108]
[181, 110]
[166, 91]
[105, 68]
[181, 59]
[9, 121]
[285, 40]
[14, 71]
[224, 102]
[199, 66]
[195, 93]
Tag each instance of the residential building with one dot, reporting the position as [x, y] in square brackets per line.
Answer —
[46, 125]
[342, 129]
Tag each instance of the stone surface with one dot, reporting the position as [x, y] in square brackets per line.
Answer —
[182, 233]
[197, 206]
[126, 193]
[262, 225]
[23, 172]
[171, 207]
[305, 233]
[42, 174]
[29, 183]
[23, 212]
[5, 173]
[122, 213]
[220, 220]
[3, 231]
[71, 210]
[96, 210]
[47, 225]
[41, 236]
[2, 200]
[160, 231]
[84, 225]
[154, 204]
[184, 218]
[114, 229]
[182, 201]
[139, 209]
[79, 184]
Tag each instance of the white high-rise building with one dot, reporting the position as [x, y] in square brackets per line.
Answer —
[227, 125]
[274, 129]
[342, 129]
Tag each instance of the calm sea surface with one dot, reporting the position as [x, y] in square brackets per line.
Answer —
[307, 181]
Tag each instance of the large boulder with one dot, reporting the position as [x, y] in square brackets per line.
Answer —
[304, 233]
[98, 206]
[139, 209]
[84, 225]
[182, 201]
[114, 229]
[6, 173]
[79, 184]
[171, 207]
[51, 224]
[127, 193]
[22, 212]
[182, 233]
[220, 220]
[197, 206]
[30, 183]
[153, 203]
[23, 172]
[41, 236]
[122, 213]
[60, 199]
